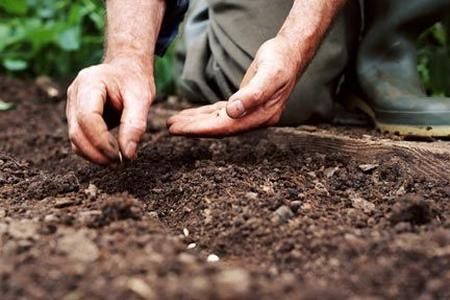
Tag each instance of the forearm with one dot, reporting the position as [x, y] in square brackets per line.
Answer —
[132, 29]
[306, 26]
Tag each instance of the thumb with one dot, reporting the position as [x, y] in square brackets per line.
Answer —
[256, 91]
[133, 123]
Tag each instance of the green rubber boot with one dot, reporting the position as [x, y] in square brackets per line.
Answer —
[392, 93]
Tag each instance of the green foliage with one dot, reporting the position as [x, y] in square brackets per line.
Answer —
[58, 38]
[434, 58]
[52, 37]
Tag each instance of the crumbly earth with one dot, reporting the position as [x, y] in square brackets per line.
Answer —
[284, 222]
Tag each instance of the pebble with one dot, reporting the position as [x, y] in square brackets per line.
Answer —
[78, 246]
[153, 214]
[51, 218]
[232, 283]
[191, 246]
[91, 190]
[295, 205]
[212, 258]
[2, 213]
[89, 216]
[284, 213]
[368, 167]
[185, 232]
[64, 202]
[23, 229]
[141, 288]
[329, 172]
[251, 196]
[362, 204]
[293, 193]
[3, 228]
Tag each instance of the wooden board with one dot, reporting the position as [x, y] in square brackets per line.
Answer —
[423, 158]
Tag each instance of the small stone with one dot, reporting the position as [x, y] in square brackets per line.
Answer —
[363, 204]
[366, 168]
[2, 213]
[284, 213]
[186, 259]
[141, 288]
[51, 218]
[91, 190]
[329, 172]
[232, 283]
[251, 196]
[400, 192]
[23, 229]
[89, 216]
[293, 193]
[306, 207]
[191, 246]
[153, 214]
[78, 246]
[295, 205]
[185, 232]
[64, 202]
[212, 258]
[312, 174]
[3, 228]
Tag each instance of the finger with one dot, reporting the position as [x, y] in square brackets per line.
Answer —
[91, 99]
[82, 147]
[216, 124]
[260, 88]
[133, 123]
[192, 112]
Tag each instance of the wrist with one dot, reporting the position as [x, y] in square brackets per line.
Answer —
[132, 59]
[295, 52]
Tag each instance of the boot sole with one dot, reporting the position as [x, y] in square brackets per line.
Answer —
[356, 103]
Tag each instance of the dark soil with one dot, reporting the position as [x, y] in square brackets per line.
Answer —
[285, 222]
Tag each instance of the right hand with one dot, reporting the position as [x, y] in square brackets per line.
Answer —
[125, 84]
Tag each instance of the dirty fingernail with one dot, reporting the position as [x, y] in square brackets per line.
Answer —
[236, 109]
[130, 150]
[112, 150]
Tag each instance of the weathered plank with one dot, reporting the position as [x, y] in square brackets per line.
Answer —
[422, 158]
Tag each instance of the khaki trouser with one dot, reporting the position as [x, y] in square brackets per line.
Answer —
[221, 38]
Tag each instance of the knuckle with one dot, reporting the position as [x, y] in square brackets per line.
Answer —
[73, 135]
[256, 96]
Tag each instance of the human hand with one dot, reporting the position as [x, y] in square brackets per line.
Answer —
[263, 95]
[124, 84]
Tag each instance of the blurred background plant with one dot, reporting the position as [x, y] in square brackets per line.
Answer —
[434, 58]
[59, 37]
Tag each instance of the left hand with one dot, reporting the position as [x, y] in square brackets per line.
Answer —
[262, 97]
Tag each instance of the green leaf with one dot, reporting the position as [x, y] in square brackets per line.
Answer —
[439, 34]
[15, 65]
[16, 7]
[4, 106]
[70, 39]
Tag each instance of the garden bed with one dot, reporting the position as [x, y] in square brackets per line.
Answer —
[305, 213]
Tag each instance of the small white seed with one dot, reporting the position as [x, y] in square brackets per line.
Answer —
[212, 258]
[191, 246]
[186, 232]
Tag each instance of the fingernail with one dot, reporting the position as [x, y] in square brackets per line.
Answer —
[112, 151]
[236, 109]
[130, 151]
